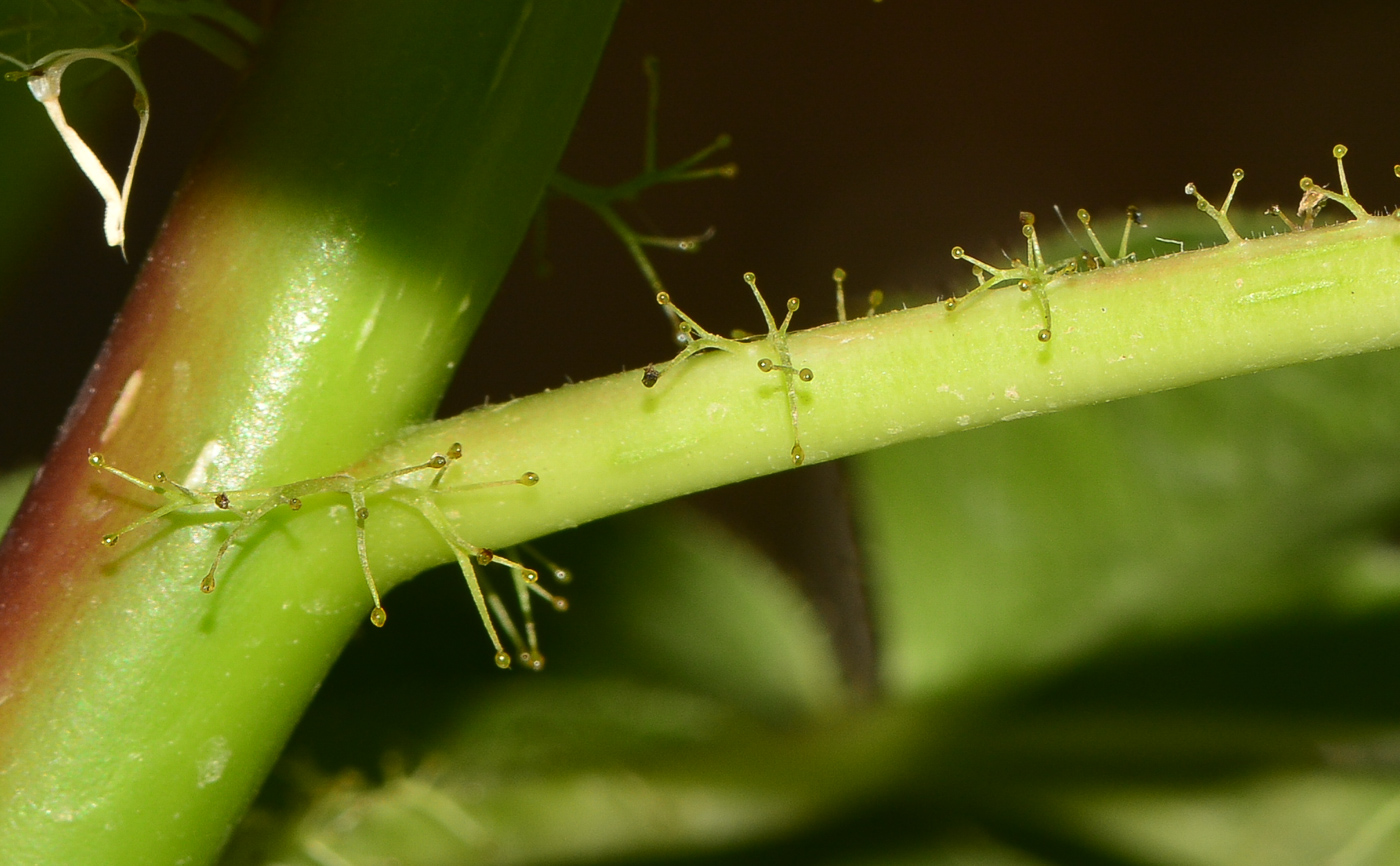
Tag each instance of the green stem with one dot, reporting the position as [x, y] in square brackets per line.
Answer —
[313, 288]
[610, 445]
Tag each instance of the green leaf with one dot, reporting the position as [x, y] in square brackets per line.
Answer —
[555, 768]
[670, 593]
[977, 852]
[206, 23]
[29, 33]
[1287, 819]
[1024, 547]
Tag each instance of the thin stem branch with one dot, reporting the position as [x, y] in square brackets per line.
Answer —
[610, 445]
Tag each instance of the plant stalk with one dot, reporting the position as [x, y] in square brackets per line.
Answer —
[611, 445]
[317, 279]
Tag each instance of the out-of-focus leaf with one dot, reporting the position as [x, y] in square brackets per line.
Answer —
[1026, 546]
[558, 769]
[29, 31]
[206, 23]
[960, 853]
[571, 769]
[671, 593]
[1293, 819]
[216, 11]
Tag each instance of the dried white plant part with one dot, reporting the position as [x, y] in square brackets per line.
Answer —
[45, 79]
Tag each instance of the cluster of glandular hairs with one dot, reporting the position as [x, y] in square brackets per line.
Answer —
[1033, 274]
[698, 340]
[249, 506]
[1315, 198]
